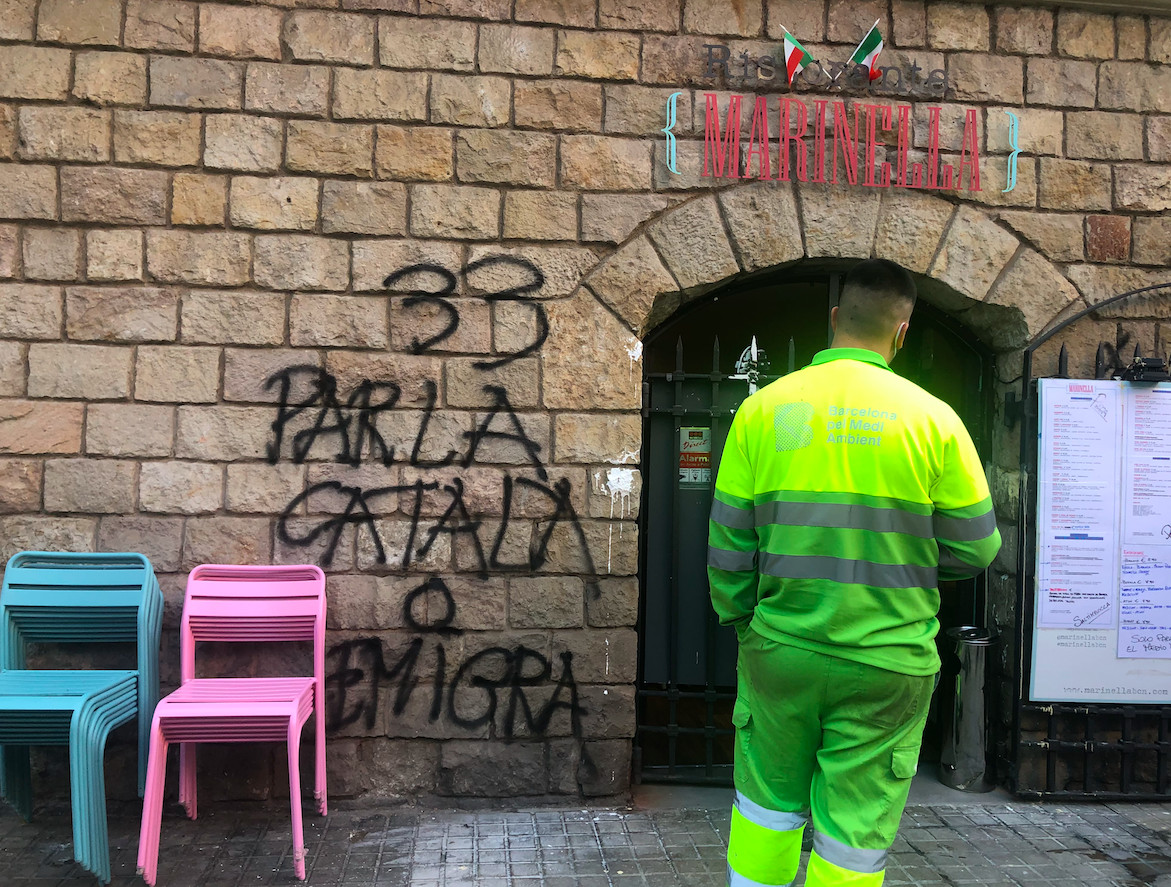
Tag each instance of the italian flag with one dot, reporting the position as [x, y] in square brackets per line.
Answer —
[796, 56]
[867, 52]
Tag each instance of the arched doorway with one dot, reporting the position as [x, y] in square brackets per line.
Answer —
[696, 375]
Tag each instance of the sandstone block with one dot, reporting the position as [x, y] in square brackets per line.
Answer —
[908, 20]
[615, 605]
[12, 356]
[9, 250]
[243, 142]
[89, 486]
[694, 246]
[726, 17]
[113, 254]
[364, 208]
[506, 157]
[995, 179]
[375, 259]
[600, 657]
[1131, 86]
[419, 322]
[223, 433]
[1107, 238]
[414, 153]
[463, 212]
[198, 199]
[1159, 138]
[566, 105]
[1041, 131]
[540, 215]
[1132, 37]
[1056, 235]
[46, 534]
[511, 49]
[121, 314]
[167, 138]
[301, 262]
[1074, 184]
[466, 383]
[287, 89]
[981, 77]
[908, 230]
[159, 538]
[1100, 135]
[560, 267]
[1068, 84]
[81, 134]
[28, 311]
[51, 254]
[330, 148]
[974, 252]
[129, 429]
[313, 36]
[249, 371]
[34, 72]
[180, 487]
[570, 13]
[177, 374]
[8, 117]
[379, 95]
[849, 21]
[18, 20]
[195, 82]
[822, 207]
[600, 55]
[160, 24]
[260, 488]
[80, 21]
[475, 768]
[1085, 35]
[495, 10]
[116, 196]
[89, 372]
[20, 485]
[602, 163]
[631, 15]
[957, 26]
[763, 222]
[227, 540]
[237, 317]
[1032, 286]
[28, 191]
[633, 110]
[546, 603]
[806, 19]
[613, 217]
[577, 325]
[1026, 30]
[240, 32]
[206, 257]
[593, 438]
[631, 280]
[340, 321]
[277, 204]
[32, 428]
[1152, 240]
[1145, 188]
[1160, 51]
[436, 44]
[470, 101]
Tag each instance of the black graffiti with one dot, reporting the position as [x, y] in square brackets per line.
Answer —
[532, 281]
[502, 678]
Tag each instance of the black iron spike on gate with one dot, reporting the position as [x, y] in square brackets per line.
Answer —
[1067, 750]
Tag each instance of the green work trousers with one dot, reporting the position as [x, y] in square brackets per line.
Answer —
[825, 738]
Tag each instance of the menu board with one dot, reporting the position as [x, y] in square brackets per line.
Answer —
[1102, 626]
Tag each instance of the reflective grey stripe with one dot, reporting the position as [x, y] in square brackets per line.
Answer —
[837, 569]
[834, 514]
[777, 820]
[735, 879]
[731, 516]
[965, 529]
[852, 859]
[737, 561]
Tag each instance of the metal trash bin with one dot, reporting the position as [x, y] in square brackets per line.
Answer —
[963, 764]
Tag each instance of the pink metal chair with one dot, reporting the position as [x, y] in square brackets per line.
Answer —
[243, 604]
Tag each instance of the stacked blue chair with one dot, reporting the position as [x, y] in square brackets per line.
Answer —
[76, 598]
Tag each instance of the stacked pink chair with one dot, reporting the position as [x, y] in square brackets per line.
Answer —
[247, 604]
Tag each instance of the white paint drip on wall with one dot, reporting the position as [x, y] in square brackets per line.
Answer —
[618, 484]
[634, 350]
[607, 655]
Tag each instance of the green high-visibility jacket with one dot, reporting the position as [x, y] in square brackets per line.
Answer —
[844, 494]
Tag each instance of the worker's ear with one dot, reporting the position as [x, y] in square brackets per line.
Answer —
[833, 318]
[901, 334]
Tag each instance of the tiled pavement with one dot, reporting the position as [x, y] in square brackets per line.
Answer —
[1000, 843]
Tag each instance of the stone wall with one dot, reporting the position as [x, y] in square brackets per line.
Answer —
[363, 282]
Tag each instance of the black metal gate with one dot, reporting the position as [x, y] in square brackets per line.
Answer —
[1063, 750]
[692, 387]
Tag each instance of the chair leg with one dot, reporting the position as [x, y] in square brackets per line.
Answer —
[87, 782]
[187, 791]
[295, 800]
[18, 788]
[152, 807]
[320, 792]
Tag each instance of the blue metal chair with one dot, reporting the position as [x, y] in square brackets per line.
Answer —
[76, 598]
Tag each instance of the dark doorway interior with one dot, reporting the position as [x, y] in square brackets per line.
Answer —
[687, 667]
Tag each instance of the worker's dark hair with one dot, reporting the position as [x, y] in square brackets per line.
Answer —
[876, 296]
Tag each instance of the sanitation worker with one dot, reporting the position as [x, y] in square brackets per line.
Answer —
[844, 495]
